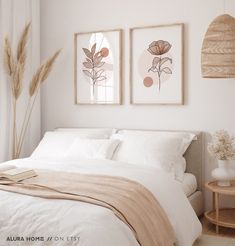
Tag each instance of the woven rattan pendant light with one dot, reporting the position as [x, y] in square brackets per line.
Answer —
[218, 49]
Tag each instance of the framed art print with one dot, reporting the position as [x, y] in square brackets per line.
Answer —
[156, 64]
[97, 67]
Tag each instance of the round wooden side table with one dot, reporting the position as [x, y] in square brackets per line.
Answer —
[221, 216]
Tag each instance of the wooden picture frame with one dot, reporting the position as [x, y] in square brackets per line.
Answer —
[97, 67]
[156, 65]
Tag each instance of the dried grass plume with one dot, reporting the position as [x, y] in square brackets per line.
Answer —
[42, 73]
[21, 49]
[49, 65]
[17, 81]
[9, 63]
[35, 82]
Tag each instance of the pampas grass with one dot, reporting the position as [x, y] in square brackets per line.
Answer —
[48, 65]
[8, 58]
[35, 82]
[17, 81]
[21, 48]
[15, 69]
[42, 73]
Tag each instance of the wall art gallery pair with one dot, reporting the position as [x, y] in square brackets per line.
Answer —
[156, 66]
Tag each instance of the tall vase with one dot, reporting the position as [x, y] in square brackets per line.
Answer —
[223, 174]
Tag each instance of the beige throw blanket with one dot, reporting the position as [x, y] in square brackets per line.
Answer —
[130, 201]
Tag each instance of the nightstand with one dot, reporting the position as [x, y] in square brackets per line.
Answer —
[221, 216]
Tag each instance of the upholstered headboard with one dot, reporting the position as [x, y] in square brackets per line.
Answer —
[194, 158]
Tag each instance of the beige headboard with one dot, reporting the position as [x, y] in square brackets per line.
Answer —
[194, 158]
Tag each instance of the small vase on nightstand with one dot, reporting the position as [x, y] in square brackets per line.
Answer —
[224, 173]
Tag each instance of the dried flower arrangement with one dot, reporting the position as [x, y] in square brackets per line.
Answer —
[15, 68]
[222, 146]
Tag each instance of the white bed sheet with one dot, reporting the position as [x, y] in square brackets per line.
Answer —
[22, 215]
[189, 184]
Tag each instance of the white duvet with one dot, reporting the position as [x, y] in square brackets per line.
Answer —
[65, 222]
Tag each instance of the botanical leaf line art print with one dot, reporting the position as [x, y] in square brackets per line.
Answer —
[159, 63]
[93, 65]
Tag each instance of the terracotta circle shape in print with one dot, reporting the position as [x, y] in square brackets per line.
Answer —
[104, 52]
[148, 81]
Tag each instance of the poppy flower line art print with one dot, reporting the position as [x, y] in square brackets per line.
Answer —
[156, 68]
[159, 48]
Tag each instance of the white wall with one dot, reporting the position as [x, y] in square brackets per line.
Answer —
[208, 102]
[14, 15]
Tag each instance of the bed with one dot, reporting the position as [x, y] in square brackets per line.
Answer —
[67, 222]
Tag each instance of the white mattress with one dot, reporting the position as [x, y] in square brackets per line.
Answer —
[189, 184]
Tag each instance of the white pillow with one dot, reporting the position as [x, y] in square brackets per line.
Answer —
[164, 151]
[92, 149]
[186, 137]
[173, 164]
[55, 144]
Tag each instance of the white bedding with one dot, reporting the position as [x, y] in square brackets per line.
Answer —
[23, 216]
[189, 184]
